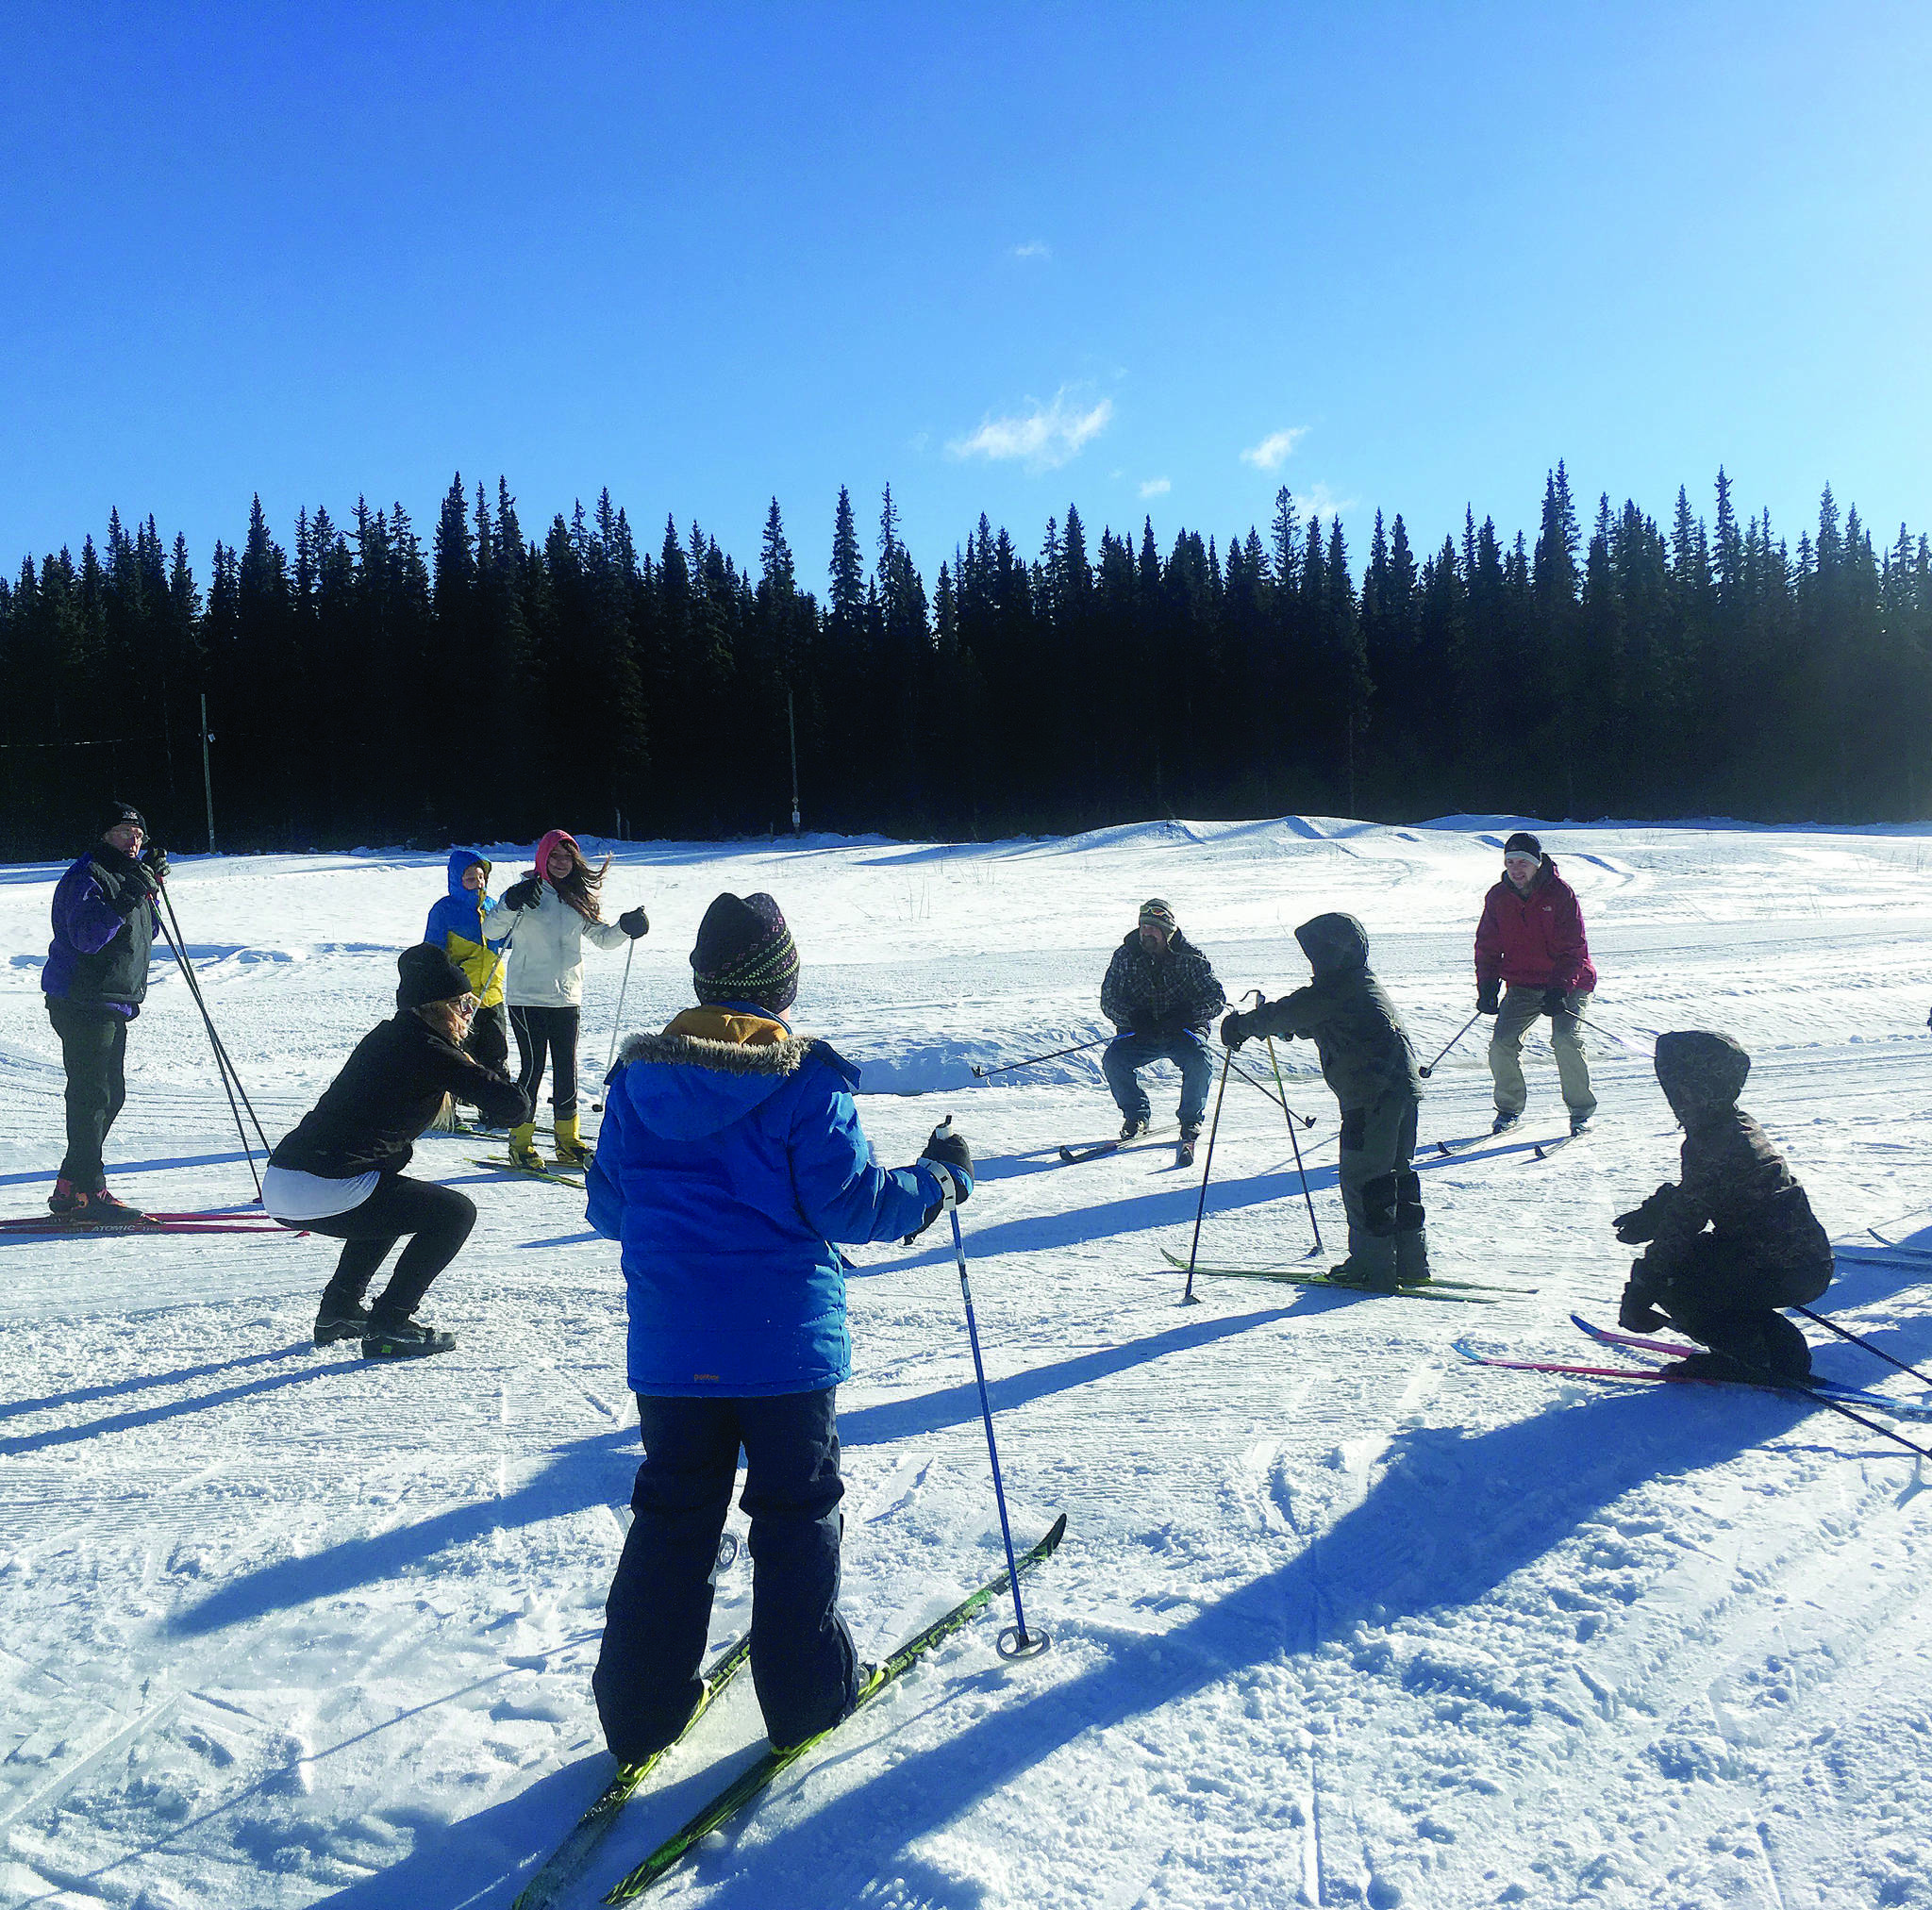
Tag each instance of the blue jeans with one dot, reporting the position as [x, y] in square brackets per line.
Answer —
[659, 1609]
[1129, 1054]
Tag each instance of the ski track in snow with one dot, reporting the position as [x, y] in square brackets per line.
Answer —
[1339, 1618]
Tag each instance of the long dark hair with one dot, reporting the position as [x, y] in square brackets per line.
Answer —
[580, 887]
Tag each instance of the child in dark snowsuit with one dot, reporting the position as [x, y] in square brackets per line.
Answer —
[1764, 1248]
[1367, 1060]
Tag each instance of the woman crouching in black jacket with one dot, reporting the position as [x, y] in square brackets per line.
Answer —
[340, 1171]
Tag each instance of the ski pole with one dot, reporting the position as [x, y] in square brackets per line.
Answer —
[1207, 1168]
[1425, 1073]
[1023, 1644]
[1649, 1054]
[1279, 1100]
[1034, 1060]
[180, 943]
[247, 1150]
[1294, 1141]
[617, 1022]
[1832, 1327]
[1767, 1377]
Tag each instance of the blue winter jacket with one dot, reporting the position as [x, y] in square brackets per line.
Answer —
[730, 1158]
[98, 956]
[455, 926]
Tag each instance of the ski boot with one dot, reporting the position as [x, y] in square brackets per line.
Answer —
[404, 1339]
[1134, 1127]
[1351, 1273]
[1579, 1122]
[571, 1152]
[1412, 1258]
[523, 1148]
[339, 1320]
[1184, 1147]
[102, 1210]
[66, 1200]
[1504, 1121]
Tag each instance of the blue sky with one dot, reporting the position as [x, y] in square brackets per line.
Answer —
[1143, 259]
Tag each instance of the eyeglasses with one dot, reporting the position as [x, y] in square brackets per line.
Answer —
[466, 1006]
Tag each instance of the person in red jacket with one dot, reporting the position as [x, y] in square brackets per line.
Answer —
[1531, 960]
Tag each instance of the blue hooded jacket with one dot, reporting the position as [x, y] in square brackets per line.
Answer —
[730, 1158]
[455, 926]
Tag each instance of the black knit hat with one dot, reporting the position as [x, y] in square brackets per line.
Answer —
[1524, 843]
[113, 814]
[745, 954]
[429, 975]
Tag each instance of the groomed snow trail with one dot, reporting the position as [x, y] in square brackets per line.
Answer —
[1339, 1619]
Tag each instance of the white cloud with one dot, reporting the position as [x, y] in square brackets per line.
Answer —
[1319, 501]
[1045, 437]
[1268, 454]
[1156, 487]
[1034, 248]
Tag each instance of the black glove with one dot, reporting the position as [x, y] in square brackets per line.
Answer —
[1637, 1313]
[523, 894]
[1555, 1003]
[137, 891]
[634, 922]
[946, 1156]
[1233, 1029]
[154, 859]
[1488, 998]
[949, 1157]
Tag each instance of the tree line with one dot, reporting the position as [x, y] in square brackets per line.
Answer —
[363, 686]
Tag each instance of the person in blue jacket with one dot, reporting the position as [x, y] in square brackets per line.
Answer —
[455, 926]
[730, 1158]
[96, 980]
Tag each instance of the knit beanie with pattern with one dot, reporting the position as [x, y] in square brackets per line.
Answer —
[744, 953]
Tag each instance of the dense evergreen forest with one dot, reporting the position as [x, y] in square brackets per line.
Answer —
[366, 689]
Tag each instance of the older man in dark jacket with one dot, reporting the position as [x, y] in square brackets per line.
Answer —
[96, 980]
[1366, 1059]
[1161, 994]
[1735, 1239]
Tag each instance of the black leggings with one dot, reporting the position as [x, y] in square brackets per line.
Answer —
[94, 1047]
[441, 1220]
[556, 1029]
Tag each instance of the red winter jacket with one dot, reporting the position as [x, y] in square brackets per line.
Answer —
[1535, 940]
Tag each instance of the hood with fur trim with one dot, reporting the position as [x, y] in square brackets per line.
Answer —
[711, 1066]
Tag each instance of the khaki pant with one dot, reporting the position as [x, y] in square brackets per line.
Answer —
[1521, 1006]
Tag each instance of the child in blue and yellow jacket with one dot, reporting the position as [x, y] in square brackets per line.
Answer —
[455, 926]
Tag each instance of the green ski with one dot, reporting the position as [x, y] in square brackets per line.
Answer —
[1465, 1292]
[758, 1776]
[566, 1862]
[504, 1165]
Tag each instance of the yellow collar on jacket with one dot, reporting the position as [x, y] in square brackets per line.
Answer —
[722, 1025]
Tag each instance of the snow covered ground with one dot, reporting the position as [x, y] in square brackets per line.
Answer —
[1339, 1617]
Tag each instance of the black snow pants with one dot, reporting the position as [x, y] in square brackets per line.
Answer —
[94, 1048]
[554, 1029]
[660, 1608]
[1716, 1291]
[437, 1217]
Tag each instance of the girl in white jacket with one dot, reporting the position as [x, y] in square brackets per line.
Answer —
[547, 916]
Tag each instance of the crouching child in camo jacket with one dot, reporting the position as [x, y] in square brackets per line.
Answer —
[1735, 1239]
